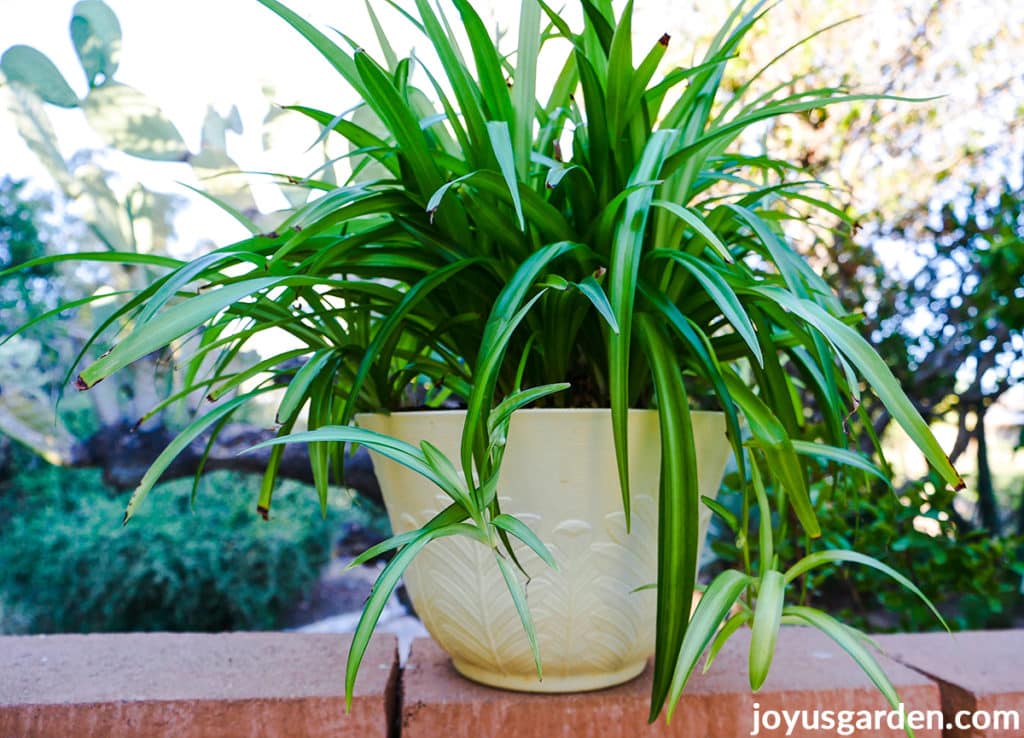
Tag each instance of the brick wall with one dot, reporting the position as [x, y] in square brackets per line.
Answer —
[288, 684]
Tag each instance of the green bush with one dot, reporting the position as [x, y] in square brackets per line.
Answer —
[972, 577]
[67, 564]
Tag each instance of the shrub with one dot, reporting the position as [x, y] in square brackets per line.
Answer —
[972, 577]
[66, 563]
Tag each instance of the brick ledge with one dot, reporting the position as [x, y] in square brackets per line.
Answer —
[292, 684]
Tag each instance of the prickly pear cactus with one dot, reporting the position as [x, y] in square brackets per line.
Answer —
[131, 219]
[125, 118]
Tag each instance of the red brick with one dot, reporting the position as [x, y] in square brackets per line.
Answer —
[197, 685]
[809, 673]
[977, 671]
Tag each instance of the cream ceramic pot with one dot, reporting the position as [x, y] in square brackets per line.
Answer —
[559, 477]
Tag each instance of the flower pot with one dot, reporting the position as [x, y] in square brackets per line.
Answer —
[559, 477]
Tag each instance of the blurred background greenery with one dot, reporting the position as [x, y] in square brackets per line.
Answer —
[936, 266]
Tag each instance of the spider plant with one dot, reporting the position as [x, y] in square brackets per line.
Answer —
[602, 242]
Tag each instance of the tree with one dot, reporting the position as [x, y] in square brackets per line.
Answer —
[936, 260]
[959, 316]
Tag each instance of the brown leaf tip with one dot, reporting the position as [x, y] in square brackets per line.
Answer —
[263, 511]
[81, 384]
[665, 38]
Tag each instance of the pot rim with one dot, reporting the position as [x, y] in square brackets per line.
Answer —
[525, 411]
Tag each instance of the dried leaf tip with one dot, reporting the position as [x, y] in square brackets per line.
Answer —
[665, 38]
[263, 511]
[81, 384]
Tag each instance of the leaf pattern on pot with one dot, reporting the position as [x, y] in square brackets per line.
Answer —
[588, 616]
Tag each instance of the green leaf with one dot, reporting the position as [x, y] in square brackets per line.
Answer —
[765, 535]
[820, 558]
[732, 625]
[33, 69]
[501, 143]
[466, 90]
[404, 453]
[389, 328]
[505, 316]
[452, 514]
[524, 90]
[712, 610]
[593, 291]
[721, 293]
[383, 97]
[778, 448]
[381, 592]
[627, 249]
[693, 220]
[117, 257]
[493, 89]
[620, 71]
[337, 58]
[678, 507]
[172, 323]
[795, 270]
[520, 530]
[519, 598]
[203, 266]
[841, 456]
[96, 34]
[298, 387]
[504, 409]
[723, 512]
[845, 638]
[767, 619]
[245, 221]
[382, 38]
[227, 382]
[175, 447]
[455, 484]
[708, 363]
[877, 373]
[642, 77]
[63, 307]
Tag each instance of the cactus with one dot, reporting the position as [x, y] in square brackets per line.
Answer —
[96, 34]
[130, 122]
